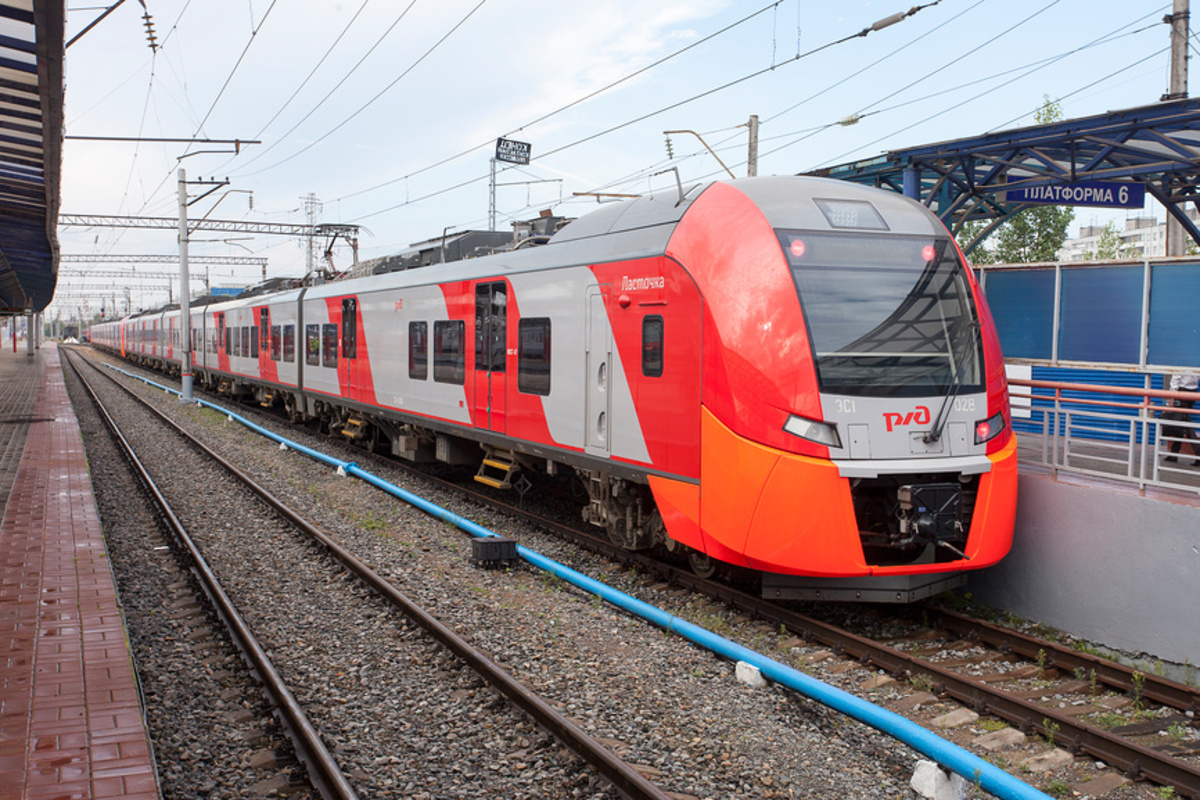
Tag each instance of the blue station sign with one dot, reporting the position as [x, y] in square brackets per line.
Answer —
[1108, 194]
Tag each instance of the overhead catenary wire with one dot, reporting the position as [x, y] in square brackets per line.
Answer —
[378, 95]
[570, 105]
[1024, 69]
[976, 97]
[886, 22]
[361, 60]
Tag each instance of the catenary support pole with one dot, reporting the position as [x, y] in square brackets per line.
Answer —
[185, 297]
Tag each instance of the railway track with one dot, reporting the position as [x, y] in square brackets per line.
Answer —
[925, 658]
[1044, 672]
[1040, 672]
[323, 770]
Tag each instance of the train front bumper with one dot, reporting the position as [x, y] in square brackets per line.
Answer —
[775, 511]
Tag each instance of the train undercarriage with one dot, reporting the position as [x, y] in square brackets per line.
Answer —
[901, 519]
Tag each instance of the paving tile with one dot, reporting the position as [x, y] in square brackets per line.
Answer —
[63, 645]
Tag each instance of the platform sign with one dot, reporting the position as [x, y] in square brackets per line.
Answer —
[512, 151]
[1106, 194]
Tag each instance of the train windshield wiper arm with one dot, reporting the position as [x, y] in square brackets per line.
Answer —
[939, 422]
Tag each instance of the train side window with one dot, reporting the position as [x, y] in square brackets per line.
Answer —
[652, 345]
[289, 343]
[330, 341]
[246, 351]
[450, 351]
[229, 340]
[264, 323]
[236, 335]
[276, 341]
[349, 327]
[253, 351]
[312, 345]
[533, 355]
[418, 350]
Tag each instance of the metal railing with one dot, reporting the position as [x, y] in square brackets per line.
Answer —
[1112, 432]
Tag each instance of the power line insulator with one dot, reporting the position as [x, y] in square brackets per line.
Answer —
[150, 36]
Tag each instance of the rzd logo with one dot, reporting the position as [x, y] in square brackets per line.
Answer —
[918, 416]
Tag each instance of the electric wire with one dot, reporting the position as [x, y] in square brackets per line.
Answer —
[643, 117]
[568, 106]
[232, 72]
[1030, 69]
[380, 94]
[978, 96]
[308, 77]
[362, 59]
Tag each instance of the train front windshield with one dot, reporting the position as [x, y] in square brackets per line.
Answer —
[887, 316]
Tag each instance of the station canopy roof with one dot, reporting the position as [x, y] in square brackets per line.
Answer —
[31, 131]
[1154, 149]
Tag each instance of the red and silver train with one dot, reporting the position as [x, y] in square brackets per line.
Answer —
[792, 375]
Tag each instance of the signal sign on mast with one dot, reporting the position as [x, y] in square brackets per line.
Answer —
[512, 152]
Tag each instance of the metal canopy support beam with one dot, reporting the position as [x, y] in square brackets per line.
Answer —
[967, 179]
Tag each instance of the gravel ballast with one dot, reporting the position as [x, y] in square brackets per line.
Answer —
[407, 720]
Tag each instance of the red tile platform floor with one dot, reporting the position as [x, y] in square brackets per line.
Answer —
[71, 724]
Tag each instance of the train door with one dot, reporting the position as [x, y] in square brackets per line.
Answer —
[491, 350]
[350, 346]
[598, 357]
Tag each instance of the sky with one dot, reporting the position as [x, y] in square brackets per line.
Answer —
[386, 112]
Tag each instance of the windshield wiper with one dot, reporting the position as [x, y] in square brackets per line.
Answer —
[939, 423]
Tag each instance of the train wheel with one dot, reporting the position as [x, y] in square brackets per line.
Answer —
[704, 565]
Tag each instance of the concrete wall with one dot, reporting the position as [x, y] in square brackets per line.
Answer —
[1104, 564]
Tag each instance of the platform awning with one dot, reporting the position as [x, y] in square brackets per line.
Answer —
[31, 130]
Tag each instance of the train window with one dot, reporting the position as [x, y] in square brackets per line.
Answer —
[533, 356]
[449, 351]
[228, 340]
[289, 343]
[329, 341]
[418, 350]
[236, 337]
[253, 351]
[491, 305]
[349, 327]
[887, 316]
[276, 340]
[652, 345]
[312, 345]
[246, 351]
[264, 323]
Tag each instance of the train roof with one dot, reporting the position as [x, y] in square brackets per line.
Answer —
[642, 228]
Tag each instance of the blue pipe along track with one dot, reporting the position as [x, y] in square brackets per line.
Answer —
[974, 769]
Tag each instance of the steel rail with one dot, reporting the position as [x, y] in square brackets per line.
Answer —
[1152, 687]
[323, 770]
[624, 778]
[1135, 760]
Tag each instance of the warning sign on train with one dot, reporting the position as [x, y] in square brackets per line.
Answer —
[1110, 194]
[512, 151]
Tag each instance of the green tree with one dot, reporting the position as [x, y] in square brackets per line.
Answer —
[1037, 233]
[966, 234]
[1109, 243]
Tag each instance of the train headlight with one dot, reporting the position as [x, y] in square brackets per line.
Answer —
[990, 428]
[813, 431]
